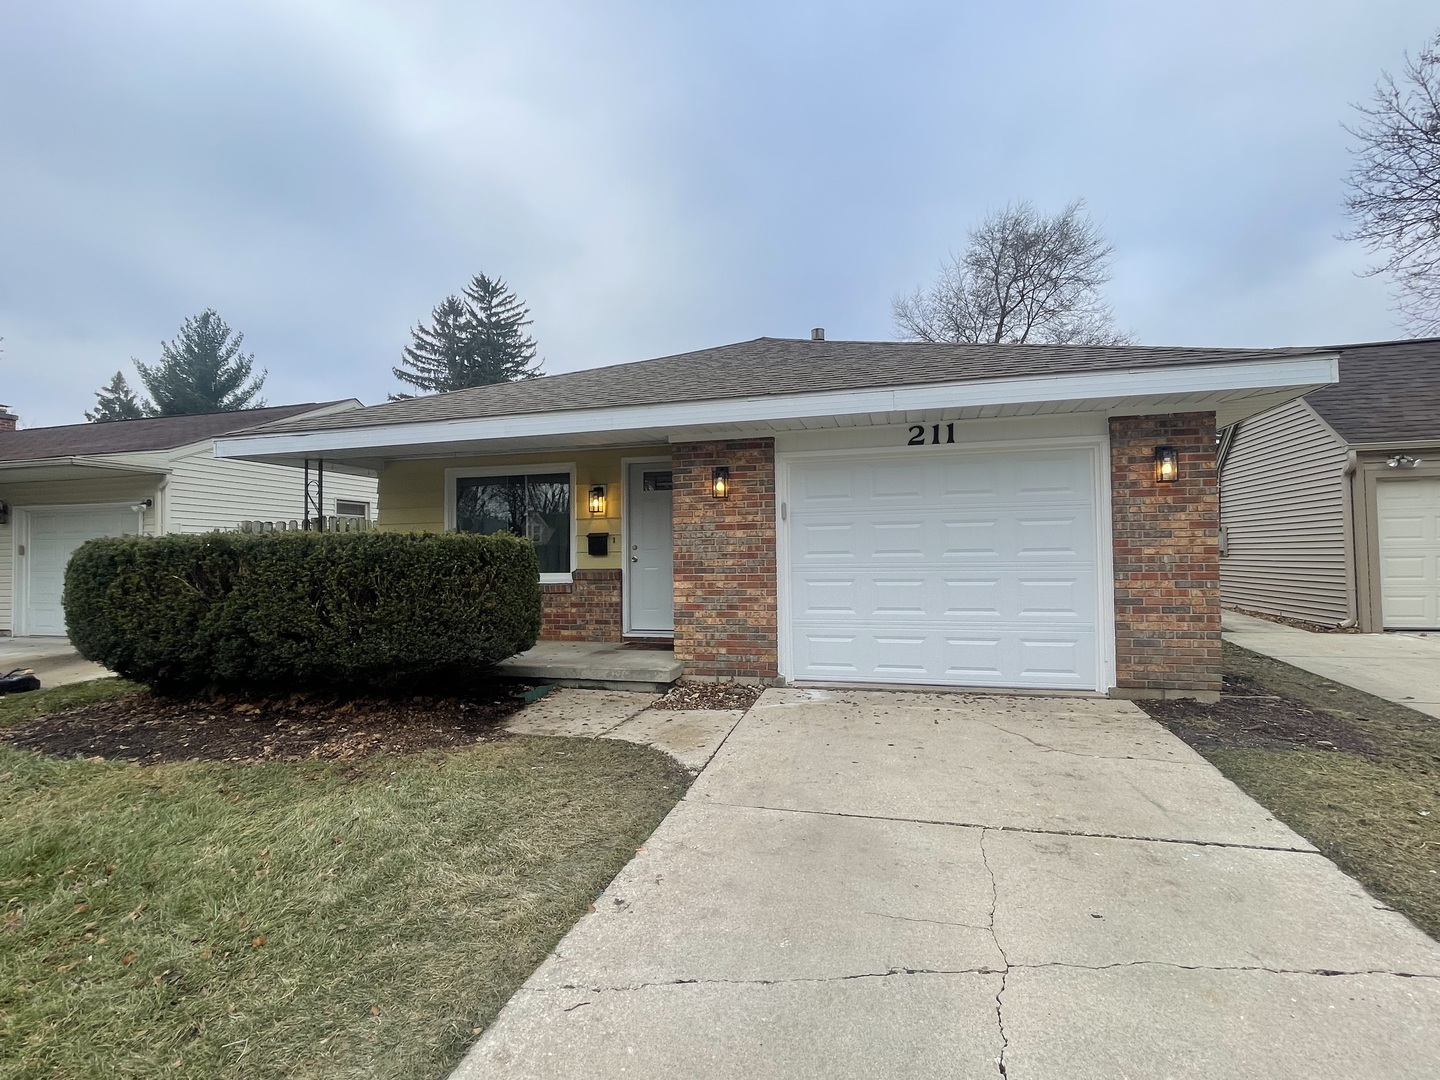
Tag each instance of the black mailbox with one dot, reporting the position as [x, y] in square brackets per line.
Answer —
[599, 544]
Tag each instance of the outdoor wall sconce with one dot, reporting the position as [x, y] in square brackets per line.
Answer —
[1401, 461]
[4, 513]
[720, 482]
[1167, 464]
[597, 499]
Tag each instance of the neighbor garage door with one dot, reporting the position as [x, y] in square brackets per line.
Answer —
[939, 566]
[1409, 523]
[52, 537]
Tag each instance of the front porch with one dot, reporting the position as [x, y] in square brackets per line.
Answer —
[598, 665]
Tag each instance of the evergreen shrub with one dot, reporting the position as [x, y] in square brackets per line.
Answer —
[301, 610]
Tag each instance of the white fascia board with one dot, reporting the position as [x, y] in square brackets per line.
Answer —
[1303, 371]
[81, 462]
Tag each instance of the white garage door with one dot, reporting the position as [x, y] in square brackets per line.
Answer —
[937, 566]
[1409, 517]
[53, 536]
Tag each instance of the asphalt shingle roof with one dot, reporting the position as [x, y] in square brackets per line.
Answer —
[137, 436]
[771, 366]
[1388, 392]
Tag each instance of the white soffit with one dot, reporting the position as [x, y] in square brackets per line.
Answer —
[1116, 391]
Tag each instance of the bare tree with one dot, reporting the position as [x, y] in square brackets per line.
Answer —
[1394, 196]
[1023, 277]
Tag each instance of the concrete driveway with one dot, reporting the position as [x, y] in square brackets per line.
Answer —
[906, 885]
[53, 659]
[1401, 667]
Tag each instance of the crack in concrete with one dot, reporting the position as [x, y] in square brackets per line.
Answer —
[932, 922]
[1079, 833]
[811, 979]
[1047, 748]
[1004, 958]
[1003, 972]
[1320, 972]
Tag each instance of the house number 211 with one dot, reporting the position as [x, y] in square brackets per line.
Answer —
[917, 434]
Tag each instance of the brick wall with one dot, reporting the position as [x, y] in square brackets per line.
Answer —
[1167, 558]
[588, 609]
[725, 618]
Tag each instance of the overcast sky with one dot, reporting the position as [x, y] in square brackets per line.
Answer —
[654, 177]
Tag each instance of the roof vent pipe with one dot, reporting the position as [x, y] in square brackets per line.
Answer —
[818, 334]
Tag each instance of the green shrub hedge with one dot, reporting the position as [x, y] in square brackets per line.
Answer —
[301, 609]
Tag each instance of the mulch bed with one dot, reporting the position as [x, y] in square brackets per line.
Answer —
[1250, 717]
[150, 730]
[704, 695]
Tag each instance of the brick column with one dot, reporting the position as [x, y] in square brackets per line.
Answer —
[725, 588]
[588, 609]
[1167, 558]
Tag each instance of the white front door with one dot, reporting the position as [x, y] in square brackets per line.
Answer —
[50, 539]
[945, 566]
[1409, 525]
[649, 564]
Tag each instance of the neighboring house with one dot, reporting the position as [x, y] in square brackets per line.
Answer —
[1331, 504]
[849, 512]
[60, 486]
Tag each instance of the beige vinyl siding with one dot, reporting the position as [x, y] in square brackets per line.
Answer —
[207, 493]
[1282, 505]
[113, 488]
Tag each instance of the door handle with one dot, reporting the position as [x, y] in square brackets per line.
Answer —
[634, 558]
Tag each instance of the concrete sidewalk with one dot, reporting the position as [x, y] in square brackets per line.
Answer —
[883, 884]
[53, 659]
[1400, 667]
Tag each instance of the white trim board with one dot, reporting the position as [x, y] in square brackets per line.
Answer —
[1299, 373]
[625, 463]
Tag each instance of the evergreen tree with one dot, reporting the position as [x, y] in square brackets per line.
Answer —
[503, 351]
[202, 371]
[116, 401]
[474, 340]
[439, 354]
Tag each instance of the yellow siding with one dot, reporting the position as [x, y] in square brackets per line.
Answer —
[412, 493]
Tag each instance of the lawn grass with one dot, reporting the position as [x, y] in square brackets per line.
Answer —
[318, 919]
[17, 707]
[1377, 815]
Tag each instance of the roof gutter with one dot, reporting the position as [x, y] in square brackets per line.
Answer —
[1319, 369]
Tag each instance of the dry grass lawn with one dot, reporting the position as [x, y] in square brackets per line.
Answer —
[1364, 788]
[314, 919]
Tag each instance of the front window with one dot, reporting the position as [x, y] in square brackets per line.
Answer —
[535, 505]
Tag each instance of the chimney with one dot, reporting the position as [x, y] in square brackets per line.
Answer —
[7, 418]
[818, 334]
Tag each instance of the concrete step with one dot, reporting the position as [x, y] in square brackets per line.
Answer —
[594, 665]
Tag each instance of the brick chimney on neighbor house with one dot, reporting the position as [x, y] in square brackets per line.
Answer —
[7, 418]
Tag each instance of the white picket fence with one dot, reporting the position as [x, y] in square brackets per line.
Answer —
[329, 524]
